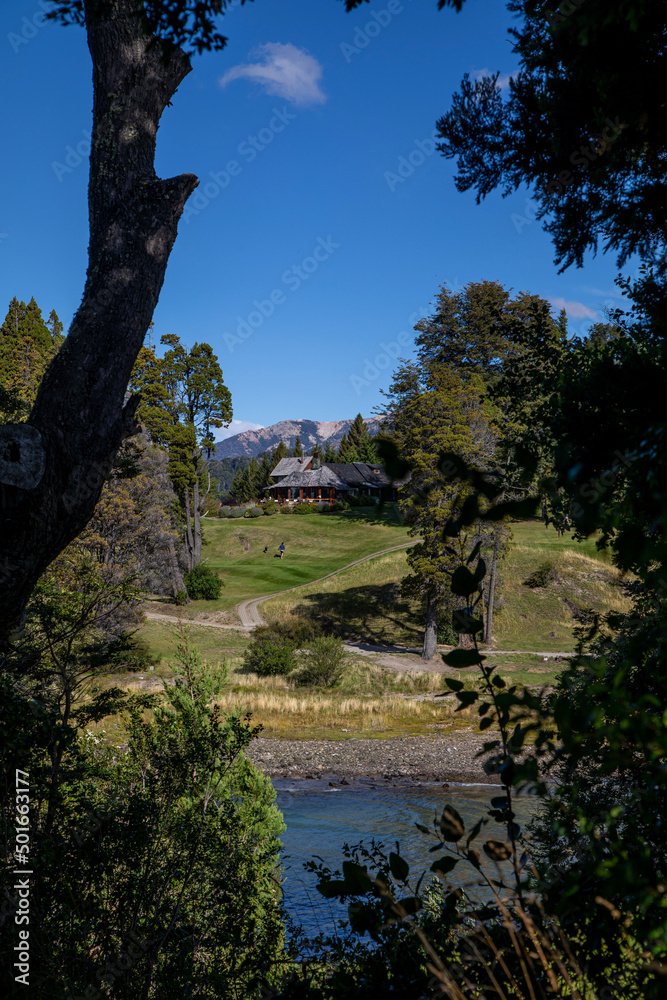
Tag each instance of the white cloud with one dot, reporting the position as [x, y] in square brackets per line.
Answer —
[282, 70]
[575, 309]
[503, 80]
[237, 427]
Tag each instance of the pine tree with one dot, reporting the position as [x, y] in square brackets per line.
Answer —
[329, 453]
[27, 345]
[279, 453]
[297, 450]
[346, 452]
[183, 399]
[252, 480]
[361, 442]
[433, 411]
[264, 474]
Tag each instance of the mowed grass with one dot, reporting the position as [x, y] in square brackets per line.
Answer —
[315, 545]
[364, 602]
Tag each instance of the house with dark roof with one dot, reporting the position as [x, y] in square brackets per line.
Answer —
[286, 466]
[316, 481]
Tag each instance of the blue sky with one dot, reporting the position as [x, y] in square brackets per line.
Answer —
[324, 223]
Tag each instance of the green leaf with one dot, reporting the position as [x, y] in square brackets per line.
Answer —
[475, 552]
[357, 879]
[466, 698]
[519, 509]
[398, 866]
[480, 570]
[332, 888]
[452, 826]
[466, 624]
[497, 850]
[463, 658]
[362, 917]
[463, 582]
[443, 866]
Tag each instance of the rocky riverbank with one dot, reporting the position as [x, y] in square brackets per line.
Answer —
[419, 758]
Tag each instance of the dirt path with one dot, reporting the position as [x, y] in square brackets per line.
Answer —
[248, 610]
[175, 619]
[250, 618]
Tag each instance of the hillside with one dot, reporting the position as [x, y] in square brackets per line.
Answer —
[311, 432]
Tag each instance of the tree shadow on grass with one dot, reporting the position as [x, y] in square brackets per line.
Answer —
[376, 613]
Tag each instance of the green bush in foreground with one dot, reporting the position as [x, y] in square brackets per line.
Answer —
[203, 583]
[323, 662]
[157, 865]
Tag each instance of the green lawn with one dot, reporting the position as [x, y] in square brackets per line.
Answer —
[315, 544]
[365, 602]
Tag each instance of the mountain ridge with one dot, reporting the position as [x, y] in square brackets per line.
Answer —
[311, 432]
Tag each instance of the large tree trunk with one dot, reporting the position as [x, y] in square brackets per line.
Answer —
[52, 468]
[431, 631]
[488, 630]
[196, 505]
[177, 581]
[189, 541]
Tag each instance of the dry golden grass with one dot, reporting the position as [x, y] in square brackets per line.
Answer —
[284, 709]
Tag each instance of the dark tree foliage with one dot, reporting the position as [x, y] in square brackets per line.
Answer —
[178, 23]
[583, 125]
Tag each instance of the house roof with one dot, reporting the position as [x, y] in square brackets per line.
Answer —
[310, 478]
[286, 466]
[342, 476]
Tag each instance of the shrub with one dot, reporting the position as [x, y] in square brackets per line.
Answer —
[304, 508]
[203, 583]
[324, 662]
[542, 577]
[224, 511]
[128, 652]
[272, 650]
[269, 506]
[254, 512]
[286, 509]
[362, 501]
[181, 598]
[237, 512]
[269, 654]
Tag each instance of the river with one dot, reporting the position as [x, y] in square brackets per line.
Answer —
[320, 819]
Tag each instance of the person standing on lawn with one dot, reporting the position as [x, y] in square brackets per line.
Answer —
[281, 549]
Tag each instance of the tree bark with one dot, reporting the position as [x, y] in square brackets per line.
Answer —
[488, 630]
[431, 631]
[189, 541]
[53, 467]
[196, 505]
[177, 581]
